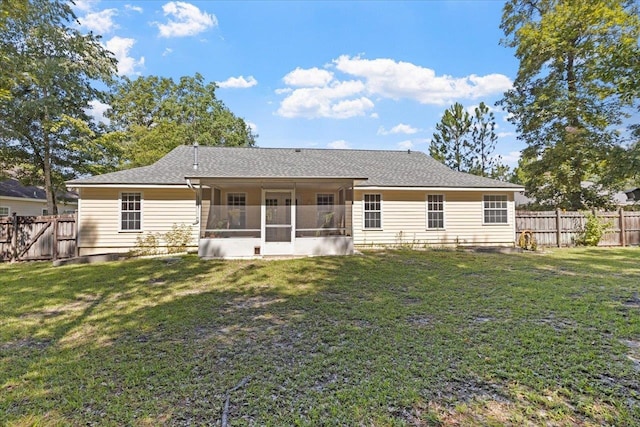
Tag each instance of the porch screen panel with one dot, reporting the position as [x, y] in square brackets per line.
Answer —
[278, 217]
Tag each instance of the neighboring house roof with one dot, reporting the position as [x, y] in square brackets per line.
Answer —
[379, 168]
[633, 195]
[13, 188]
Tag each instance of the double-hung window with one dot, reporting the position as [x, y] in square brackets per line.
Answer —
[4, 211]
[372, 211]
[435, 211]
[325, 204]
[131, 211]
[495, 209]
[237, 210]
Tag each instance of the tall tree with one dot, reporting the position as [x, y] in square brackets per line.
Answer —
[483, 144]
[466, 142]
[451, 143]
[152, 115]
[45, 132]
[571, 92]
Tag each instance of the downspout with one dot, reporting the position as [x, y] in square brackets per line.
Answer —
[198, 192]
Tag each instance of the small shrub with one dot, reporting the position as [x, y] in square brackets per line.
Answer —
[148, 244]
[178, 238]
[593, 231]
[527, 241]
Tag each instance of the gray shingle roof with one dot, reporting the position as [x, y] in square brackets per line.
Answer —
[381, 168]
[13, 188]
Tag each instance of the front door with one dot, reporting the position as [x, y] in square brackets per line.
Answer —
[278, 219]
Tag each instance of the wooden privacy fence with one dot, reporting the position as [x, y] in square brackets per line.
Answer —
[28, 238]
[559, 228]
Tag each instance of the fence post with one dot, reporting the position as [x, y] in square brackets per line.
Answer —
[14, 238]
[558, 228]
[77, 234]
[623, 232]
[54, 249]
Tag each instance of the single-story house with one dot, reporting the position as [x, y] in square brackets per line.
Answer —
[251, 202]
[29, 200]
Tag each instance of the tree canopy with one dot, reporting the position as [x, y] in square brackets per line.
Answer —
[46, 134]
[466, 142]
[578, 61]
[151, 115]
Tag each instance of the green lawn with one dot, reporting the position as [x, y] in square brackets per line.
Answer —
[389, 338]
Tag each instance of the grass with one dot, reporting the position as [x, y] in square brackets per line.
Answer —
[384, 339]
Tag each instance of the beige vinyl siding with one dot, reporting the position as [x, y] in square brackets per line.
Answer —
[99, 217]
[31, 207]
[404, 220]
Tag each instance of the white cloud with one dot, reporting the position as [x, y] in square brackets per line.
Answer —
[238, 82]
[185, 20]
[96, 110]
[99, 22]
[400, 128]
[316, 92]
[85, 5]
[329, 101]
[512, 158]
[398, 80]
[134, 8]
[312, 77]
[405, 145]
[252, 126]
[120, 47]
[167, 51]
[374, 116]
[505, 134]
[340, 144]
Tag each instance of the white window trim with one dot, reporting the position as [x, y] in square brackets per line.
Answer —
[244, 208]
[326, 193]
[494, 224]
[364, 228]
[444, 212]
[8, 208]
[141, 230]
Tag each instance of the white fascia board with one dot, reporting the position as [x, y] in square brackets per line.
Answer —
[483, 189]
[127, 186]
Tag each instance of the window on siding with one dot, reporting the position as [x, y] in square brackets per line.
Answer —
[45, 211]
[372, 211]
[435, 211]
[4, 210]
[495, 209]
[237, 210]
[131, 211]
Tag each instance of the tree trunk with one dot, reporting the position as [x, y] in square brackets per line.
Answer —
[52, 206]
[48, 184]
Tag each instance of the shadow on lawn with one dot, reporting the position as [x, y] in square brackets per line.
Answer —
[157, 342]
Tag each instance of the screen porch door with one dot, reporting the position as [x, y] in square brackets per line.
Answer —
[278, 217]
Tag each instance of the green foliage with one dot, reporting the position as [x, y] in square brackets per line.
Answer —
[148, 244]
[466, 143]
[152, 115]
[46, 134]
[451, 143]
[593, 231]
[179, 238]
[577, 78]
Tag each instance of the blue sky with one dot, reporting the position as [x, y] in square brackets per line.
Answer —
[322, 74]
